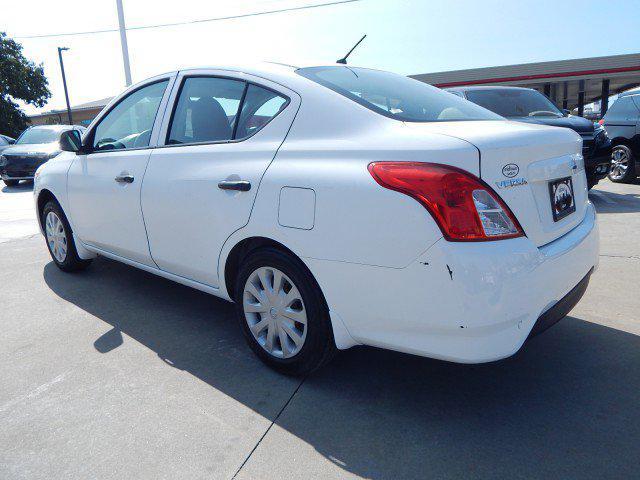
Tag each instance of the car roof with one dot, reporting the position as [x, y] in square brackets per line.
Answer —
[487, 87]
[57, 128]
[633, 91]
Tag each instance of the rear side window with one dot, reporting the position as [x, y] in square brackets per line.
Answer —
[396, 96]
[206, 111]
[259, 107]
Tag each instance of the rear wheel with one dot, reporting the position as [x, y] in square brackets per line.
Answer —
[623, 167]
[11, 183]
[282, 312]
[60, 239]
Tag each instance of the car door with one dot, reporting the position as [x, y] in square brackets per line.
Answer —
[105, 179]
[222, 134]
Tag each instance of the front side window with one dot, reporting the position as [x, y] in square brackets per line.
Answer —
[38, 136]
[396, 96]
[512, 103]
[129, 123]
[206, 110]
[259, 107]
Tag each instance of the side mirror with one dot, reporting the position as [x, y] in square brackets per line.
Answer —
[566, 112]
[11, 142]
[70, 141]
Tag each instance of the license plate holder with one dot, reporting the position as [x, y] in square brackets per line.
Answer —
[563, 202]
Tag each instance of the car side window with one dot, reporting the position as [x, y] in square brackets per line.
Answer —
[636, 100]
[206, 111]
[129, 123]
[623, 108]
[259, 107]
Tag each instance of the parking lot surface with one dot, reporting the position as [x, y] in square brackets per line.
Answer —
[116, 373]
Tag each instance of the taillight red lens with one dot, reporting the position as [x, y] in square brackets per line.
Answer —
[601, 121]
[465, 208]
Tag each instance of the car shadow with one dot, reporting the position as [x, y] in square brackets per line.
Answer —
[23, 186]
[610, 202]
[566, 406]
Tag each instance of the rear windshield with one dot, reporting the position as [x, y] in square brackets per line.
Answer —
[38, 135]
[514, 103]
[396, 96]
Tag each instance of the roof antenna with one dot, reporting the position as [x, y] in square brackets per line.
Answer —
[343, 60]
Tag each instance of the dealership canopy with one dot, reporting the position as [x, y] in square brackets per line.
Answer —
[570, 83]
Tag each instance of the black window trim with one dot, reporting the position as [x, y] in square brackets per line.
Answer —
[247, 83]
[87, 141]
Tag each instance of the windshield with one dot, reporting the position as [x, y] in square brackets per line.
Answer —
[37, 135]
[396, 96]
[514, 103]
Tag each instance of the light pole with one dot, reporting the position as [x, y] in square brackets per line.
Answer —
[64, 82]
[123, 42]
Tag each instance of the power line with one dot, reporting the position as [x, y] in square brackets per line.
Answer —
[204, 20]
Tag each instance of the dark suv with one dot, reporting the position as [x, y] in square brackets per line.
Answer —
[531, 106]
[622, 123]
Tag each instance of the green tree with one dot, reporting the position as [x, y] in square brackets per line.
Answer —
[20, 79]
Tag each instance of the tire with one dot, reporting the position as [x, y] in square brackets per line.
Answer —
[623, 165]
[11, 183]
[266, 315]
[59, 238]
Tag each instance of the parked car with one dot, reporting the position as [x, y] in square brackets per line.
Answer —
[622, 122]
[530, 106]
[335, 206]
[5, 142]
[33, 147]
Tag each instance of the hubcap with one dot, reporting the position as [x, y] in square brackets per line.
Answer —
[56, 237]
[275, 313]
[619, 163]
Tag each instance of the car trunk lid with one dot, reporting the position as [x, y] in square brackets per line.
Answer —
[521, 162]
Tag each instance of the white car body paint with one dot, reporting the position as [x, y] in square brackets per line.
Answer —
[389, 277]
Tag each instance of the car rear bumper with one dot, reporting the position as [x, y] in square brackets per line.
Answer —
[463, 302]
[598, 162]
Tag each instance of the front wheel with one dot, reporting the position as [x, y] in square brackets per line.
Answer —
[60, 239]
[623, 166]
[282, 313]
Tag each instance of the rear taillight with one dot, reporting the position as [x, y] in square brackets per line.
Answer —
[465, 208]
[601, 121]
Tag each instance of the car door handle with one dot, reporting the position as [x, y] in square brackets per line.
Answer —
[124, 178]
[241, 185]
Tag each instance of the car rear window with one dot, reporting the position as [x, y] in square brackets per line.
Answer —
[396, 96]
[514, 102]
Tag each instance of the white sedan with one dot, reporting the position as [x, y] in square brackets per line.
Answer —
[335, 206]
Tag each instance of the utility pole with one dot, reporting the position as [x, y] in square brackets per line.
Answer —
[123, 42]
[64, 82]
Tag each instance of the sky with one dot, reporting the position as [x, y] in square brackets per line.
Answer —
[404, 36]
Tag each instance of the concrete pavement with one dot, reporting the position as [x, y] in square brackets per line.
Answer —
[17, 214]
[116, 373]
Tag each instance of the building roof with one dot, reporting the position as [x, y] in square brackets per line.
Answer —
[536, 72]
[76, 108]
[576, 75]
